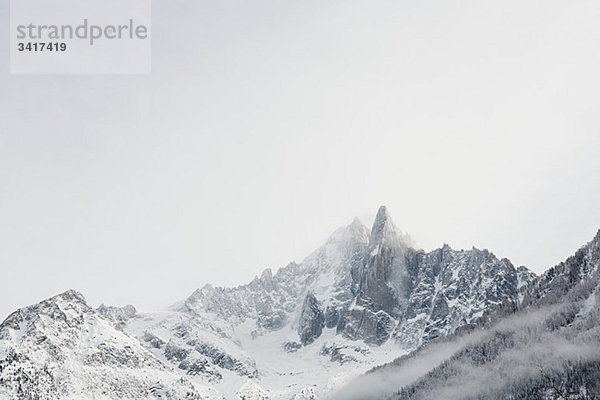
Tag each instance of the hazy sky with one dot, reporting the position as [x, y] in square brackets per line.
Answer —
[265, 125]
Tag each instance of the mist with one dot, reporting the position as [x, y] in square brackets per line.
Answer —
[377, 384]
[482, 364]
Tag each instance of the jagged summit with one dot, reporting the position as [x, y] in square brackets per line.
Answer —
[385, 232]
[266, 279]
[383, 227]
[70, 295]
[354, 232]
[382, 220]
[61, 348]
[66, 306]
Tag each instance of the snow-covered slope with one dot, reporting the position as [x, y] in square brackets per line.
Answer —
[62, 349]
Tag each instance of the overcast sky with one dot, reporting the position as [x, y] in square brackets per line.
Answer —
[265, 125]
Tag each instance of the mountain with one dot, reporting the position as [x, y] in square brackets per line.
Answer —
[575, 278]
[364, 298]
[62, 348]
[547, 348]
[369, 286]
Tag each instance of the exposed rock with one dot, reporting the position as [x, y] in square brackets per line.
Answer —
[332, 317]
[173, 352]
[311, 321]
[266, 279]
[291, 347]
[153, 340]
[119, 315]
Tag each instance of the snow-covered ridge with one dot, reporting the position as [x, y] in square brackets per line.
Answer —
[61, 348]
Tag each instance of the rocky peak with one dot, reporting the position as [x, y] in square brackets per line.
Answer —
[350, 235]
[359, 229]
[266, 279]
[385, 233]
[68, 308]
[69, 296]
[383, 280]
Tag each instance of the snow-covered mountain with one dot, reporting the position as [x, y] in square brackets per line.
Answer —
[364, 298]
[61, 348]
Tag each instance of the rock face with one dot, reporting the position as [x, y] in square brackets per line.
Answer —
[451, 288]
[312, 320]
[119, 315]
[384, 282]
[381, 284]
[62, 349]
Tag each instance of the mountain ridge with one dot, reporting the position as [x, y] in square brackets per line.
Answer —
[545, 347]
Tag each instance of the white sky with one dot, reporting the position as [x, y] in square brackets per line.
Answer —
[265, 125]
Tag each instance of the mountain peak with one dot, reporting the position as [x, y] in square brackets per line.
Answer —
[266, 279]
[383, 214]
[382, 221]
[69, 296]
[355, 232]
[357, 224]
[384, 230]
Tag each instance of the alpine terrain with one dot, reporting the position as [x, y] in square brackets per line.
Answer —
[423, 324]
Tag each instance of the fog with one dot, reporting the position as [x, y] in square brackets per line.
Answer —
[526, 350]
[513, 367]
[377, 384]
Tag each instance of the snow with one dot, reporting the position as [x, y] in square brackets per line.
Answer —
[304, 374]
[287, 374]
[251, 391]
[68, 350]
